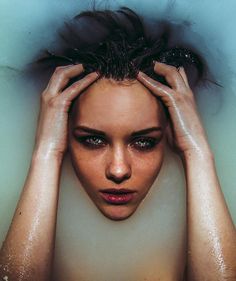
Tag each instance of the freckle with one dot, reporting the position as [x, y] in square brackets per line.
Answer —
[20, 213]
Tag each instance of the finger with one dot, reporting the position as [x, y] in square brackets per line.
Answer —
[61, 77]
[171, 74]
[157, 88]
[76, 88]
[184, 76]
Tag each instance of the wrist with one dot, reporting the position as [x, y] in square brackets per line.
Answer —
[198, 155]
[198, 164]
[47, 154]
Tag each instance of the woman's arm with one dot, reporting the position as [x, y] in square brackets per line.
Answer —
[211, 233]
[27, 252]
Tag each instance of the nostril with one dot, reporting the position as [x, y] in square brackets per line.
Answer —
[118, 166]
[118, 180]
[118, 176]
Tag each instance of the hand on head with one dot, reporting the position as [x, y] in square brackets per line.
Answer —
[51, 137]
[185, 132]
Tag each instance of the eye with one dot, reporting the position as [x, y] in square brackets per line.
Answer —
[145, 143]
[92, 141]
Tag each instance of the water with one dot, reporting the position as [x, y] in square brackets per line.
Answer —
[88, 245]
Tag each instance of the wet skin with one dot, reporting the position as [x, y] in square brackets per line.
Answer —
[114, 157]
[27, 251]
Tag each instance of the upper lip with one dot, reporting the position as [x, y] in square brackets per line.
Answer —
[117, 191]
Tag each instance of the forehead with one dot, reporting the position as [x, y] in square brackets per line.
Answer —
[119, 103]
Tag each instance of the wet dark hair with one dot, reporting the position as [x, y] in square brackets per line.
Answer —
[118, 44]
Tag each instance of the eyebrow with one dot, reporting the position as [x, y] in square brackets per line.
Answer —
[146, 131]
[133, 134]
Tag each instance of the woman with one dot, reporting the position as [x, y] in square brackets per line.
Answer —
[119, 122]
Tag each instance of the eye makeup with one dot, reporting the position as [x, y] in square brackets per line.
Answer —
[142, 143]
[92, 141]
[145, 143]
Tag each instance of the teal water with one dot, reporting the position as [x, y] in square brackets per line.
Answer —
[89, 246]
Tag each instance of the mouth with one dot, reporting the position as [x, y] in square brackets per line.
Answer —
[117, 196]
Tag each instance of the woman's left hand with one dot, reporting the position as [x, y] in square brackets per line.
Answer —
[186, 134]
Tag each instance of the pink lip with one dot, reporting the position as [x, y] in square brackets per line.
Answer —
[117, 196]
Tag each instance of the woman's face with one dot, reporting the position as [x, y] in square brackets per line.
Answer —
[116, 141]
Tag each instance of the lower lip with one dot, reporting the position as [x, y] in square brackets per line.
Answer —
[117, 198]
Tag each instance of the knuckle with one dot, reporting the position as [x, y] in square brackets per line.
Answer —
[53, 102]
[44, 96]
[75, 86]
[58, 103]
[47, 92]
[60, 70]
[172, 70]
[65, 103]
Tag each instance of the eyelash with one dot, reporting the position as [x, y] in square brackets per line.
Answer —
[150, 142]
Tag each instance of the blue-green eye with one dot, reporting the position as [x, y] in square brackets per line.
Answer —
[145, 143]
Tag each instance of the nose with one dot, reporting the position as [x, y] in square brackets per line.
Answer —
[118, 167]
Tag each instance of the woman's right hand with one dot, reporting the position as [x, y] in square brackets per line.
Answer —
[52, 131]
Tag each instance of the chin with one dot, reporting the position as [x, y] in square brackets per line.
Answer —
[117, 212]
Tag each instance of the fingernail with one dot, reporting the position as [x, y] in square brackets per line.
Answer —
[82, 66]
[142, 75]
[98, 73]
[139, 74]
[155, 63]
[94, 74]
